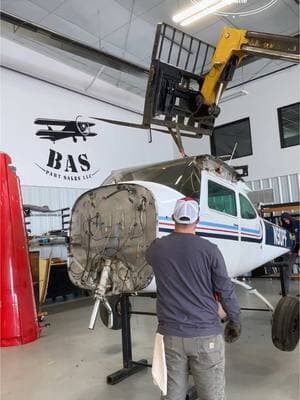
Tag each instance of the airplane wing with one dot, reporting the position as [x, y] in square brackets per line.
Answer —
[59, 135]
[45, 132]
[68, 125]
[55, 135]
[60, 122]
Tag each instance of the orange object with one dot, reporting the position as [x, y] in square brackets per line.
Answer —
[18, 315]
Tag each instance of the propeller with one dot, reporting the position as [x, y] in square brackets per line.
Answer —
[83, 127]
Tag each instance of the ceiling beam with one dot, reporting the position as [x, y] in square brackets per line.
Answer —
[25, 29]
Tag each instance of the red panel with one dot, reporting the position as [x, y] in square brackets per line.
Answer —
[18, 313]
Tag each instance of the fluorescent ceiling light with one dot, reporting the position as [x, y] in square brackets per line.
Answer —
[200, 10]
[188, 12]
[234, 96]
[206, 12]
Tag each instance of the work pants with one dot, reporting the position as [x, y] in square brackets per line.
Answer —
[204, 358]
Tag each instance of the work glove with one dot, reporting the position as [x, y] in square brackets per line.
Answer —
[232, 331]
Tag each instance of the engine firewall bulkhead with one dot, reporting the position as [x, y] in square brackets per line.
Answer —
[115, 222]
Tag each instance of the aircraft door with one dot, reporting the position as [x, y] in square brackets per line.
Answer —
[251, 235]
[219, 220]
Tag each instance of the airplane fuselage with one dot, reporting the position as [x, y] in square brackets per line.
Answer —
[119, 221]
[245, 244]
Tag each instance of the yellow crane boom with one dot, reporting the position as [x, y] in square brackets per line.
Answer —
[236, 44]
[188, 76]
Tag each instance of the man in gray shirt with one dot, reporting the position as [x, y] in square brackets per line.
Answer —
[190, 273]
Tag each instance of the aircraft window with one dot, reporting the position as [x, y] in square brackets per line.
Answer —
[247, 210]
[220, 198]
[183, 176]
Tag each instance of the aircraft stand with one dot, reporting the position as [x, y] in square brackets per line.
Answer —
[282, 276]
[131, 367]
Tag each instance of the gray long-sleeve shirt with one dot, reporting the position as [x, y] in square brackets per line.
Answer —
[189, 271]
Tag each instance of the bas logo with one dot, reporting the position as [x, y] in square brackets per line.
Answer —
[67, 167]
[56, 159]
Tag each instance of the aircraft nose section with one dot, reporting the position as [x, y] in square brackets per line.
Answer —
[116, 222]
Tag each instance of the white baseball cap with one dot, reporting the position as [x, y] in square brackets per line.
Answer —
[186, 211]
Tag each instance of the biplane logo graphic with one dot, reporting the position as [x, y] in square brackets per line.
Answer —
[68, 167]
[70, 129]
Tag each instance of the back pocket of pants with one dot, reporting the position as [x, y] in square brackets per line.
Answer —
[211, 350]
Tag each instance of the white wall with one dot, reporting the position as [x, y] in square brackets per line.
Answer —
[24, 99]
[260, 105]
[40, 64]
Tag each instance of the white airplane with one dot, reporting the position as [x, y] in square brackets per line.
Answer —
[113, 225]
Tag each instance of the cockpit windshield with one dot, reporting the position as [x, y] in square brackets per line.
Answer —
[182, 175]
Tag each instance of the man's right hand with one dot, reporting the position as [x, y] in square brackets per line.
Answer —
[232, 331]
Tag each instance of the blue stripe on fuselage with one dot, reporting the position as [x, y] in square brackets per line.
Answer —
[256, 231]
[204, 234]
[277, 241]
[206, 223]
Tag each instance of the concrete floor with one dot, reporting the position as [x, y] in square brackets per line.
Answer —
[69, 362]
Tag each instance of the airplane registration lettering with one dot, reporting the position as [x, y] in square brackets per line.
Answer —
[280, 238]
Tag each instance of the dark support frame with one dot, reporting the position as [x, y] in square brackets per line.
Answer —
[131, 367]
[65, 220]
[282, 283]
[283, 277]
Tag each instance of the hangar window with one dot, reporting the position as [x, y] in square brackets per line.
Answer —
[235, 135]
[247, 210]
[220, 198]
[288, 118]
